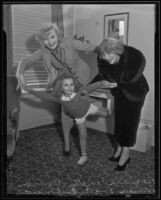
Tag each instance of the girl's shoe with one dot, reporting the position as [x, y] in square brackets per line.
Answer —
[82, 160]
[113, 159]
[123, 167]
[66, 153]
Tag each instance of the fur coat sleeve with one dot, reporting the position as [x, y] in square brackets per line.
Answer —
[128, 74]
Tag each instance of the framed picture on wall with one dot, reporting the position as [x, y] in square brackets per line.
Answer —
[116, 25]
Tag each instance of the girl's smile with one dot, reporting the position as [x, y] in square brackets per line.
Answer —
[68, 86]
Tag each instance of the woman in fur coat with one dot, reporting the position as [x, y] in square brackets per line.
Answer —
[124, 65]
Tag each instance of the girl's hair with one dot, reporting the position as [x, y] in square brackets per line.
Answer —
[111, 45]
[57, 90]
[44, 32]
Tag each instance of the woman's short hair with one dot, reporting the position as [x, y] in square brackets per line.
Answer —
[112, 45]
[45, 29]
[57, 84]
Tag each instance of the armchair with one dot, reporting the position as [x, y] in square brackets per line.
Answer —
[13, 110]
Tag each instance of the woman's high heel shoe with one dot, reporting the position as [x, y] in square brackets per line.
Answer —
[113, 159]
[122, 167]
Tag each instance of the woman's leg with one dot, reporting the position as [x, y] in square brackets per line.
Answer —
[124, 159]
[124, 155]
[118, 151]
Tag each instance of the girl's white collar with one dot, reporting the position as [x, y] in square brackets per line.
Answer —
[69, 98]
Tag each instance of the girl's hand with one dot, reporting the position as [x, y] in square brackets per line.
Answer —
[21, 82]
[112, 85]
[106, 83]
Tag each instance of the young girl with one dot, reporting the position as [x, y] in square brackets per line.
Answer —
[73, 98]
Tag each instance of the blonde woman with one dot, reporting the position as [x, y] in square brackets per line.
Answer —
[59, 55]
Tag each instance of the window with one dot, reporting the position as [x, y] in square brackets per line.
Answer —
[26, 20]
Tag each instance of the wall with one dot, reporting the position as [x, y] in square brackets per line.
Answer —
[89, 21]
[7, 28]
[68, 20]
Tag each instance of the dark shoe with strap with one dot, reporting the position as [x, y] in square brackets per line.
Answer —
[66, 153]
[113, 159]
[122, 167]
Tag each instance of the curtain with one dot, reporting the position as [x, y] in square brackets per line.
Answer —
[7, 39]
[57, 16]
[27, 20]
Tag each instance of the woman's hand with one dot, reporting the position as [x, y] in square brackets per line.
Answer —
[24, 87]
[21, 82]
[107, 84]
[28, 88]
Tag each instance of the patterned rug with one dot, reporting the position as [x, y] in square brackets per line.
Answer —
[39, 168]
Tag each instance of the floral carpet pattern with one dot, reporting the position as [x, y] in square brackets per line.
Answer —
[39, 167]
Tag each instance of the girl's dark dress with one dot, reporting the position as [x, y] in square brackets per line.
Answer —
[130, 93]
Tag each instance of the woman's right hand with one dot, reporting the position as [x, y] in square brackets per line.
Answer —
[28, 88]
[24, 87]
[21, 82]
